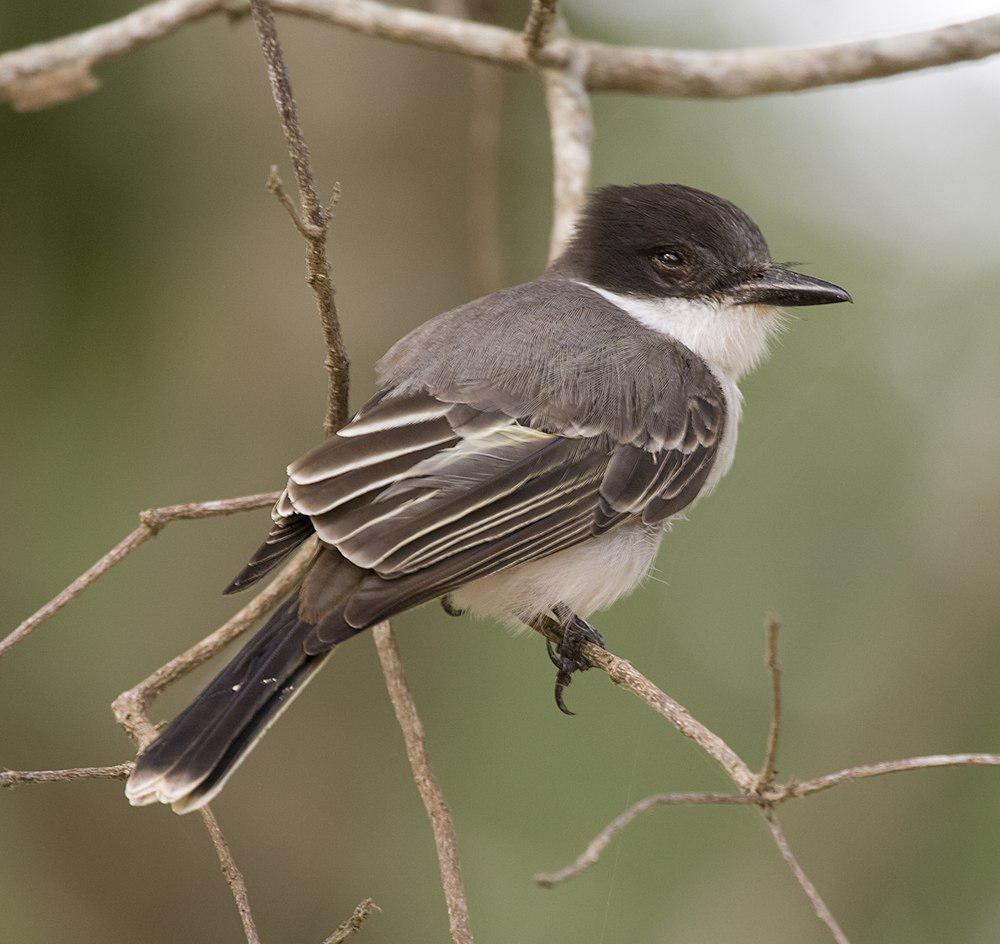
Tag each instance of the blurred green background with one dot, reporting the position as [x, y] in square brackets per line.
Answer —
[161, 346]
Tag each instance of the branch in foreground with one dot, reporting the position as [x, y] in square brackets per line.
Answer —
[430, 790]
[627, 676]
[671, 73]
[153, 520]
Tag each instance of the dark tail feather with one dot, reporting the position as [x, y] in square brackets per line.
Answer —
[194, 756]
[285, 535]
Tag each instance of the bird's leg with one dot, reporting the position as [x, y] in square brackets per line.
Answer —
[450, 607]
[568, 657]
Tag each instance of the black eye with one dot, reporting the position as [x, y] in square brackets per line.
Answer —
[670, 259]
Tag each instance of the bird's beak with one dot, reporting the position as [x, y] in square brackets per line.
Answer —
[777, 285]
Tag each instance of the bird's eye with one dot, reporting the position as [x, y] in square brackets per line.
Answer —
[668, 259]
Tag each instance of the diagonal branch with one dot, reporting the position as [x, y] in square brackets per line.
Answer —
[232, 874]
[819, 906]
[152, 521]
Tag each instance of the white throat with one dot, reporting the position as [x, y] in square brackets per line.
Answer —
[731, 339]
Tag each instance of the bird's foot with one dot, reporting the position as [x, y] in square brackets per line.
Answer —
[450, 607]
[568, 656]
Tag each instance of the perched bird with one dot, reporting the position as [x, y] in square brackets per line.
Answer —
[522, 459]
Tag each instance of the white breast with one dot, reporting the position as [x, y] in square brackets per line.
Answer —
[586, 578]
[731, 339]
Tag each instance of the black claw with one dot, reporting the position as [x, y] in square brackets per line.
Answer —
[450, 607]
[568, 656]
[563, 679]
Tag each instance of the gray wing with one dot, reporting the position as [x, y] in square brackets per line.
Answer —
[445, 478]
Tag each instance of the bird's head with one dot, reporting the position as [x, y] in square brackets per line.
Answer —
[693, 263]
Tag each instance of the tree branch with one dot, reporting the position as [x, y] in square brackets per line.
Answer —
[232, 874]
[538, 27]
[14, 778]
[572, 130]
[767, 772]
[152, 521]
[313, 217]
[627, 676]
[671, 73]
[427, 784]
[602, 840]
[819, 906]
[362, 913]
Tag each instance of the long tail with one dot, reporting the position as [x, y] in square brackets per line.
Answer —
[194, 756]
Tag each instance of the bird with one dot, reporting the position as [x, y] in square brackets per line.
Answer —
[522, 459]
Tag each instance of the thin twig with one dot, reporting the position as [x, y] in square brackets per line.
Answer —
[670, 73]
[819, 906]
[13, 778]
[768, 770]
[152, 521]
[313, 218]
[539, 25]
[803, 788]
[234, 877]
[130, 707]
[427, 783]
[362, 913]
[602, 840]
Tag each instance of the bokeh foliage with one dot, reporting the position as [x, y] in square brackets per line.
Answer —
[161, 346]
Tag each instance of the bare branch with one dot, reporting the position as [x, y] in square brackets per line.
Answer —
[572, 131]
[768, 770]
[427, 784]
[819, 906]
[24, 70]
[623, 673]
[361, 914]
[313, 219]
[230, 871]
[152, 521]
[602, 840]
[14, 778]
[671, 73]
[539, 25]
[804, 788]
[130, 707]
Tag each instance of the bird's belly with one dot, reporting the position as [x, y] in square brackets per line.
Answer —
[588, 577]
